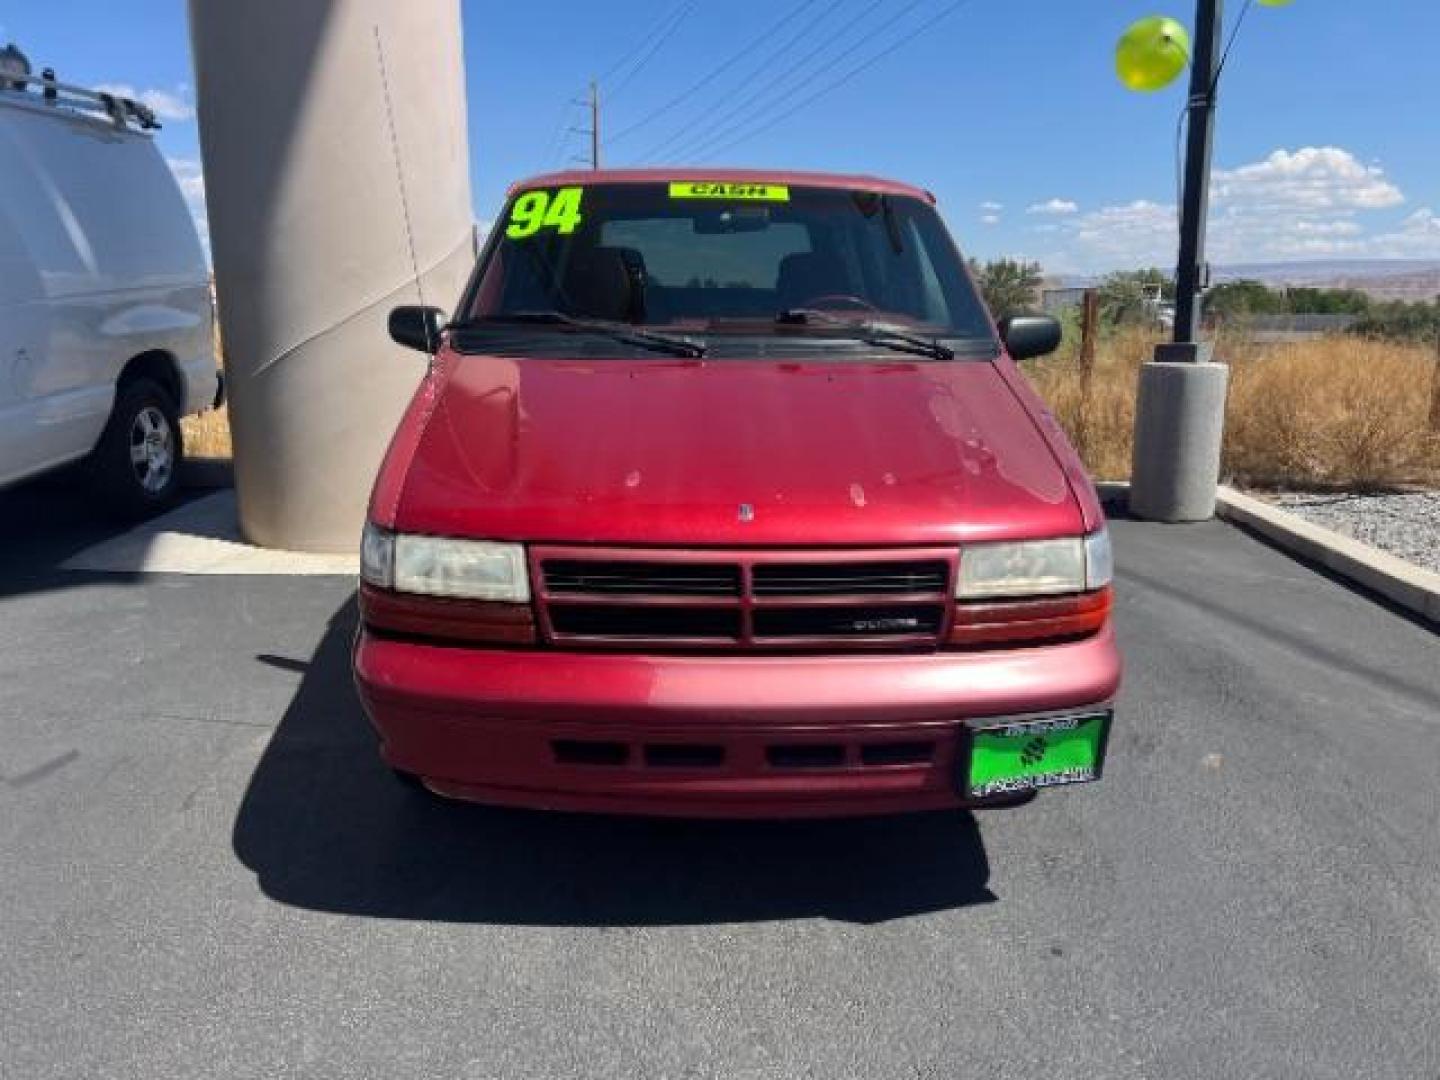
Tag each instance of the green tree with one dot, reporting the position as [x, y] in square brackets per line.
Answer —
[1306, 301]
[1010, 286]
[1130, 296]
[1396, 320]
[1238, 299]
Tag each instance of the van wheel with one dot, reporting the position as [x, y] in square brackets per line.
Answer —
[136, 464]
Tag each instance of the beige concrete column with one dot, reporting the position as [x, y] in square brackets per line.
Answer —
[309, 170]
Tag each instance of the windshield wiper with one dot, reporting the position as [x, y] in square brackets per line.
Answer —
[886, 335]
[616, 331]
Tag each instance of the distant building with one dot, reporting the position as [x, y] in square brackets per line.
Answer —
[1054, 301]
[1296, 327]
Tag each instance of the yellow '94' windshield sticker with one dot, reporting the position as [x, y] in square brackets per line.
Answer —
[536, 210]
[708, 189]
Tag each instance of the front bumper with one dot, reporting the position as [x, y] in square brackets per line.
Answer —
[712, 736]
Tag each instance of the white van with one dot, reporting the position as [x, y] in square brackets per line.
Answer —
[106, 320]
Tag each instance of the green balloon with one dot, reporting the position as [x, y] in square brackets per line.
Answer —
[1152, 53]
[1275, 3]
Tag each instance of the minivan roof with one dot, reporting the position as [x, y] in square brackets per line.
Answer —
[583, 177]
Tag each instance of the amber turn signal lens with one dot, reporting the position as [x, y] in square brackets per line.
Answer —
[443, 619]
[1030, 622]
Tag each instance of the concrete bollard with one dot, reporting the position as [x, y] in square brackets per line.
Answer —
[1179, 426]
[337, 170]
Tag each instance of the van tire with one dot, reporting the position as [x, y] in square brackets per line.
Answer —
[135, 467]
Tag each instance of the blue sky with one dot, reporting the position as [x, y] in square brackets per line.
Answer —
[1328, 146]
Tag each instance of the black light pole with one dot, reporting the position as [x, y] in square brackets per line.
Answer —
[1204, 78]
[1180, 406]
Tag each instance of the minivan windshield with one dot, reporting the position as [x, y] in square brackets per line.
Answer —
[716, 261]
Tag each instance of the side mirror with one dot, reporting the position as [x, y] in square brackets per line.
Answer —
[1028, 336]
[417, 327]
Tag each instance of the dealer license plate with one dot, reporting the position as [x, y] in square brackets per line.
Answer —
[1029, 754]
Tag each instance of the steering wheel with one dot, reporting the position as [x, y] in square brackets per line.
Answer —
[838, 299]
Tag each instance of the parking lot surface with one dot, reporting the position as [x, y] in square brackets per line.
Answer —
[208, 873]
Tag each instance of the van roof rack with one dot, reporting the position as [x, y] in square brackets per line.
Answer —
[121, 111]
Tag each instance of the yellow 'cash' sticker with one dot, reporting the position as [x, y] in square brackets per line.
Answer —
[710, 189]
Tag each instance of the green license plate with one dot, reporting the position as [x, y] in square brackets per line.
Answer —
[1032, 754]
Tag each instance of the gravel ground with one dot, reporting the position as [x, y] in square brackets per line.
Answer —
[1406, 525]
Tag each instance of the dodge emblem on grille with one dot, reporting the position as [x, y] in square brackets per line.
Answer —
[885, 626]
[747, 512]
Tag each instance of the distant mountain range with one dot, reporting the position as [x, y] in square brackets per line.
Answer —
[1385, 279]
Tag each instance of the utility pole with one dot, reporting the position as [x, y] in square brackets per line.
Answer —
[1204, 74]
[594, 124]
[594, 129]
[1180, 411]
[1089, 334]
[1435, 379]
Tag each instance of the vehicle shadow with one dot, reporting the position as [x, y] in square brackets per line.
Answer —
[325, 826]
[48, 521]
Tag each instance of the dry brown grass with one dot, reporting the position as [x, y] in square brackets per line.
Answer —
[208, 435]
[1332, 413]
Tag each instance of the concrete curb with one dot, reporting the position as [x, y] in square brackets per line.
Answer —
[1408, 586]
[1411, 587]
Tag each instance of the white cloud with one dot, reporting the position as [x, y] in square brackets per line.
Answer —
[191, 178]
[1057, 207]
[1139, 233]
[990, 219]
[1418, 237]
[992, 207]
[173, 105]
[1314, 202]
[1312, 178]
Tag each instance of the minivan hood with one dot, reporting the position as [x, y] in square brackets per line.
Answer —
[700, 453]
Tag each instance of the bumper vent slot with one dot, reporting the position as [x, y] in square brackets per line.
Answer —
[684, 756]
[588, 752]
[897, 753]
[805, 756]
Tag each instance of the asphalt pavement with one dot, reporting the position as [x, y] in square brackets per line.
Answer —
[206, 872]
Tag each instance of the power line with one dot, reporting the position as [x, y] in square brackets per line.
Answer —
[835, 84]
[663, 36]
[560, 139]
[565, 130]
[714, 74]
[631, 53]
[734, 119]
[687, 136]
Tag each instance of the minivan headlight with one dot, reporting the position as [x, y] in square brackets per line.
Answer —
[441, 566]
[1099, 560]
[1023, 568]
[377, 556]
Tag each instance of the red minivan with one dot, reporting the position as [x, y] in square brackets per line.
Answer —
[723, 496]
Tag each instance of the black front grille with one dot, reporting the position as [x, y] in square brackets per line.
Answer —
[842, 579]
[638, 621]
[613, 578]
[742, 599]
[871, 621]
